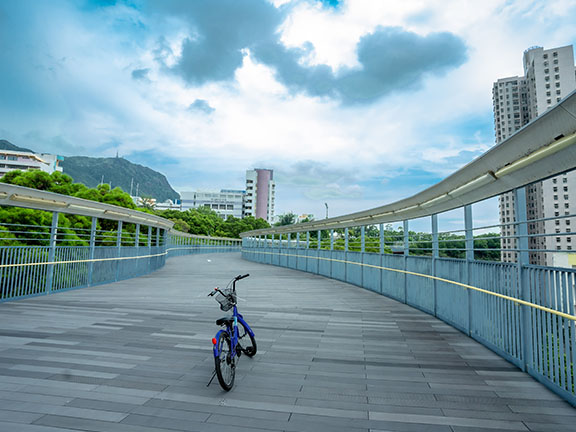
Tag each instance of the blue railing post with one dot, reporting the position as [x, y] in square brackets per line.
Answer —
[92, 249]
[52, 252]
[137, 245]
[149, 246]
[118, 249]
[469, 235]
[289, 235]
[362, 238]
[331, 239]
[406, 253]
[346, 236]
[298, 240]
[381, 239]
[319, 239]
[435, 256]
[524, 288]
[307, 239]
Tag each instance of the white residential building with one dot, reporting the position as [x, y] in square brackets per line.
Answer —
[549, 75]
[260, 192]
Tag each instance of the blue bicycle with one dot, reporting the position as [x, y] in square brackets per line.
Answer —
[235, 339]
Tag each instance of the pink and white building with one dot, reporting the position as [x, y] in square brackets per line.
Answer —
[260, 191]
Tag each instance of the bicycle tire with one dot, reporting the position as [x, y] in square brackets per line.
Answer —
[249, 350]
[225, 364]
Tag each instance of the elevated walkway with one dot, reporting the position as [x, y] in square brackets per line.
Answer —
[136, 356]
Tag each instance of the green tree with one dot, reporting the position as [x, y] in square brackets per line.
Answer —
[16, 219]
[286, 219]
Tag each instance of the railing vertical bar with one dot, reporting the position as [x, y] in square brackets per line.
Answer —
[3, 272]
[549, 343]
[561, 323]
[572, 327]
[20, 273]
[118, 249]
[539, 282]
[11, 274]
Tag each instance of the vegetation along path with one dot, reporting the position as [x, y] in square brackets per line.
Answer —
[135, 356]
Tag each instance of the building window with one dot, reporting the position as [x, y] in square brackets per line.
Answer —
[555, 189]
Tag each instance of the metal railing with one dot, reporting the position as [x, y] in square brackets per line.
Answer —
[493, 281]
[73, 243]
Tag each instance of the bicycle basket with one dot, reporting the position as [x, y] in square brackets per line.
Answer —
[226, 298]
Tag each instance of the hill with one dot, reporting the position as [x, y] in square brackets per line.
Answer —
[119, 172]
[7, 145]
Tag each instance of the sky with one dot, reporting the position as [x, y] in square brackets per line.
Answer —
[353, 103]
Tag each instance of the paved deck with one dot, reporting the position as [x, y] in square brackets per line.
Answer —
[135, 356]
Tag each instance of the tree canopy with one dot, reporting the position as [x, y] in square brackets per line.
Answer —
[205, 221]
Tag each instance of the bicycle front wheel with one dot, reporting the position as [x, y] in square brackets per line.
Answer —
[246, 340]
[225, 363]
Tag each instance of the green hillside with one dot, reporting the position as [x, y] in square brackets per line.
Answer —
[119, 172]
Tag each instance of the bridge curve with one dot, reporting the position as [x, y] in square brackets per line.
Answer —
[135, 355]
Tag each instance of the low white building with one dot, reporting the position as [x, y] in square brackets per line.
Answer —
[11, 160]
[227, 202]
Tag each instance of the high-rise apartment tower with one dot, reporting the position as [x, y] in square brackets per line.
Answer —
[549, 75]
[260, 191]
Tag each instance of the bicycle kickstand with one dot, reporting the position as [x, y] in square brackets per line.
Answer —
[211, 379]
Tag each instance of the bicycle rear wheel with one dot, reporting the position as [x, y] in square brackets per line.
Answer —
[225, 363]
[246, 341]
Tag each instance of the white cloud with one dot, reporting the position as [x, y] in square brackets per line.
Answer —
[94, 103]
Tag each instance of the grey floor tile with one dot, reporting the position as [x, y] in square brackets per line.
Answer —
[130, 357]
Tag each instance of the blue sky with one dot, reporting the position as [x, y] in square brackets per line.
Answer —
[356, 103]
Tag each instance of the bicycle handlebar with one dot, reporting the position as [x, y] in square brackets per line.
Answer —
[237, 278]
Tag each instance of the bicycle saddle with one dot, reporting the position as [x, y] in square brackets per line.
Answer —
[225, 320]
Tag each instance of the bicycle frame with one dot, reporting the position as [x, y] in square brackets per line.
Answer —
[233, 332]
